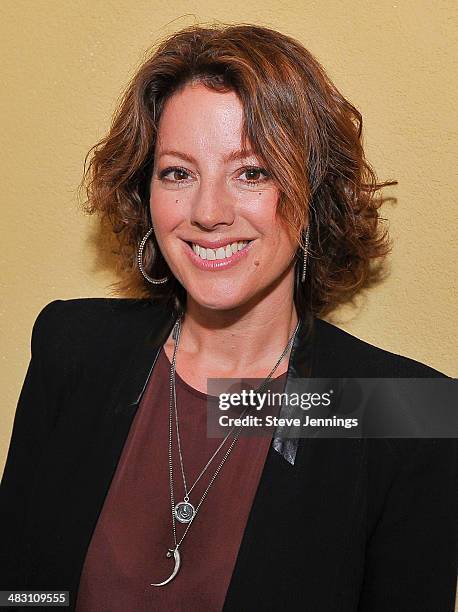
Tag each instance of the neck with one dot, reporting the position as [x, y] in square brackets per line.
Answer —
[239, 340]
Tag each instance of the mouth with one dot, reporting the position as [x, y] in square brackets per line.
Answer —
[218, 253]
[221, 256]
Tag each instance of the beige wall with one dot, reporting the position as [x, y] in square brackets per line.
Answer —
[64, 64]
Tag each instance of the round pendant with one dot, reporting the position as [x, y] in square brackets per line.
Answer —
[184, 512]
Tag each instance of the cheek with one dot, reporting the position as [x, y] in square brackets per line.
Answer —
[166, 213]
[260, 212]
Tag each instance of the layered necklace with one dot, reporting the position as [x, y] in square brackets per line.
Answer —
[184, 511]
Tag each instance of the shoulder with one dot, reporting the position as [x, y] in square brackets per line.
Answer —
[341, 354]
[94, 328]
[351, 356]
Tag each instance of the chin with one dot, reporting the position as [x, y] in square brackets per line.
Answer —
[218, 300]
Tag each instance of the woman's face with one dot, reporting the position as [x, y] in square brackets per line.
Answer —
[214, 212]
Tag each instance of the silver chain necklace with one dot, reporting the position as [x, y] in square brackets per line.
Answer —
[184, 511]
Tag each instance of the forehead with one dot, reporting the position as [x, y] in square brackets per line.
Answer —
[200, 119]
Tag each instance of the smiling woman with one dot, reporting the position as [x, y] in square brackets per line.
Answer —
[235, 180]
[290, 143]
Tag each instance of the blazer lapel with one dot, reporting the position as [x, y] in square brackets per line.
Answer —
[306, 511]
[300, 366]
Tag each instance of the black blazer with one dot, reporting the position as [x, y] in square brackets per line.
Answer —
[353, 525]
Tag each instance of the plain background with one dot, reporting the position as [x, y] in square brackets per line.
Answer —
[64, 66]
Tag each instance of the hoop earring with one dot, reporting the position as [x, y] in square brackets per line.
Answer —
[155, 281]
[305, 253]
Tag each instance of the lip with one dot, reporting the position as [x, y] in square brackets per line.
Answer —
[217, 264]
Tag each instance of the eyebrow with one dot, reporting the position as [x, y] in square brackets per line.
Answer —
[232, 156]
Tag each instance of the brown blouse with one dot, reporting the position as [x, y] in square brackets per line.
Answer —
[134, 529]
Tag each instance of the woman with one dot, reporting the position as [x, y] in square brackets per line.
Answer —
[234, 177]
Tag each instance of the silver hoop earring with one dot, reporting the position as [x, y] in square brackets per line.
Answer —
[305, 254]
[155, 281]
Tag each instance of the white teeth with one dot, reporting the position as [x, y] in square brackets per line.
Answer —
[220, 253]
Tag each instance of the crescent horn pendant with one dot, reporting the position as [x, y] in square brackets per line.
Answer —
[176, 555]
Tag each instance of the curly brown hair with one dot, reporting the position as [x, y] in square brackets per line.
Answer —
[305, 132]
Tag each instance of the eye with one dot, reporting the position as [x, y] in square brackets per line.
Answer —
[178, 174]
[253, 174]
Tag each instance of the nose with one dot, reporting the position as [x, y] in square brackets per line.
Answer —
[212, 206]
